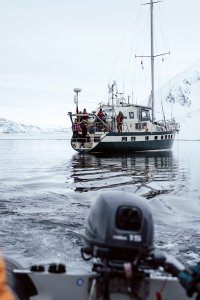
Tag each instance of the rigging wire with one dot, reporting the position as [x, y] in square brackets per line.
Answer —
[144, 87]
[169, 62]
[167, 46]
[140, 74]
[133, 45]
[131, 49]
[140, 84]
[121, 40]
[134, 98]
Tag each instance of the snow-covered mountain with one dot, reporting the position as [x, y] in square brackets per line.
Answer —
[182, 96]
[10, 127]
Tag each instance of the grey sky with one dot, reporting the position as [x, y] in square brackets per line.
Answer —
[49, 47]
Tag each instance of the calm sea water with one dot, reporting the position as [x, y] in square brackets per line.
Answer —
[46, 190]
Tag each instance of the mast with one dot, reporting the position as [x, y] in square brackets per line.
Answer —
[152, 54]
[152, 58]
[112, 125]
[114, 84]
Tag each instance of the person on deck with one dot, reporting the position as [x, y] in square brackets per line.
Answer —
[120, 118]
[84, 132]
[85, 113]
[101, 116]
[75, 128]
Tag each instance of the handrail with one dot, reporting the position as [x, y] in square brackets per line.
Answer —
[103, 123]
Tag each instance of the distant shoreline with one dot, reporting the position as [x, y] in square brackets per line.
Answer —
[188, 140]
[59, 135]
[56, 136]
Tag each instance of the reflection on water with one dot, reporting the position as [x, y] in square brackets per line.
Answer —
[136, 171]
[46, 191]
[168, 180]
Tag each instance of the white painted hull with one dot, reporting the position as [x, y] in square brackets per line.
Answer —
[44, 284]
[75, 286]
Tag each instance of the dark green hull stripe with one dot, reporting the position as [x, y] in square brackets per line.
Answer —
[122, 147]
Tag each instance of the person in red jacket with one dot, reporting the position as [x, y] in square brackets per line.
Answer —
[5, 293]
[75, 129]
[101, 116]
[120, 118]
[85, 114]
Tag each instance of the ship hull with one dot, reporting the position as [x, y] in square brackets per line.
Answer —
[130, 142]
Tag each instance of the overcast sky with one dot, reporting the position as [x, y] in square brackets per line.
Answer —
[48, 47]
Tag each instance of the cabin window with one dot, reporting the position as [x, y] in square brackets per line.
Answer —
[169, 136]
[165, 136]
[138, 126]
[145, 115]
[131, 115]
[155, 137]
[162, 137]
[133, 138]
[124, 139]
[146, 138]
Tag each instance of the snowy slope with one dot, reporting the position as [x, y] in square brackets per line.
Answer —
[10, 127]
[182, 97]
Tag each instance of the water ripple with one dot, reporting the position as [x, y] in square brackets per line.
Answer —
[46, 191]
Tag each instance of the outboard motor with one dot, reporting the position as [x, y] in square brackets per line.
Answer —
[119, 227]
[119, 234]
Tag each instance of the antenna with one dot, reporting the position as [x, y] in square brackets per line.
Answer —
[76, 90]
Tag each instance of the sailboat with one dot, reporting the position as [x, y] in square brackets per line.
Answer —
[135, 130]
